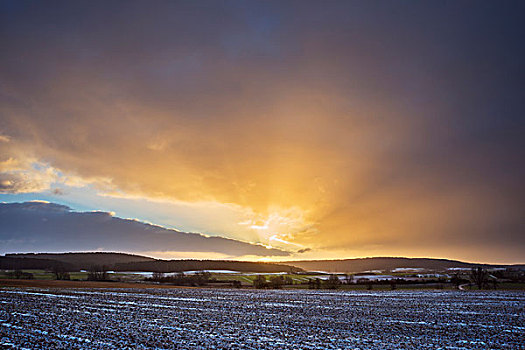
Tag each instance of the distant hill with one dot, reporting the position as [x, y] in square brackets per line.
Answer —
[130, 262]
[10, 263]
[78, 261]
[383, 263]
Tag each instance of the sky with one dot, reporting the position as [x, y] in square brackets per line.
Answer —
[288, 130]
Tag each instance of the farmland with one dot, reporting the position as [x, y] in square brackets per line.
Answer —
[48, 318]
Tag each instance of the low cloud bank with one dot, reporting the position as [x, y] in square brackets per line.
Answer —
[42, 226]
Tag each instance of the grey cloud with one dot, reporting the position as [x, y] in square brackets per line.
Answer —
[41, 226]
[420, 101]
[58, 192]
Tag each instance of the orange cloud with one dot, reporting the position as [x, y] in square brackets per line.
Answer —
[323, 129]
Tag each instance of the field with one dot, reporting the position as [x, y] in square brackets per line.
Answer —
[224, 278]
[39, 318]
[80, 284]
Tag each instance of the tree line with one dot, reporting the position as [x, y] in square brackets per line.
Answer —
[180, 279]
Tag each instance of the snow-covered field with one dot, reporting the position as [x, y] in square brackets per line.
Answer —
[247, 319]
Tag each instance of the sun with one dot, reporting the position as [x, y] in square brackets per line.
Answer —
[277, 228]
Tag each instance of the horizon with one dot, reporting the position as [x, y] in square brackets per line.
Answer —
[264, 131]
[262, 261]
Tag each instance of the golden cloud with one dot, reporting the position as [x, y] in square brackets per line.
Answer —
[324, 139]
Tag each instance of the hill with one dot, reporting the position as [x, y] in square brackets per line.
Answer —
[78, 261]
[384, 263]
[130, 262]
[11, 263]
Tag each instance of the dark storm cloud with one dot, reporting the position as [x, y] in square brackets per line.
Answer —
[39, 226]
[386, 122]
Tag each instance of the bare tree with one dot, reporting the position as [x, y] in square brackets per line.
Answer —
[260, 282]
[19, 274]
[455, 280]
[98, 273]
[276, 282]
[479, 276]
[157, 276]
[349, 278]
[393, 284]
[60, 272]
[332, 282]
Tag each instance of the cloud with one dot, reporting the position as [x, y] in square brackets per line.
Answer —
[366, 126]
[24, 181]
[22, 172]
[4, 138]
[58, 191]
[27, 175]
[42, 226]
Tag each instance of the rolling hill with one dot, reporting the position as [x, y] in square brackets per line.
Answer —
[385, 264]
[130, 262]
[80, 261]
